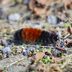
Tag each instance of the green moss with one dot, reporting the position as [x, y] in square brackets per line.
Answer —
[46, 60]
[66, 25]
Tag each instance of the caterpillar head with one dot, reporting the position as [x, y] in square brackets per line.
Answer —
[54, 37]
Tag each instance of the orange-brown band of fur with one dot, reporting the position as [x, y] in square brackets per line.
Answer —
[30, 34]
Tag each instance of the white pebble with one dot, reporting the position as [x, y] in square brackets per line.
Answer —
[14, 17]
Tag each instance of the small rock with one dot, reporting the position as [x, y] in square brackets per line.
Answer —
[27, 51]
[52, 19]
[24, 53]
[6, 51]
[14, 17]
[56, 52]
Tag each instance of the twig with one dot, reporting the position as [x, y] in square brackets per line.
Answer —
[66, 36]
[14, 62]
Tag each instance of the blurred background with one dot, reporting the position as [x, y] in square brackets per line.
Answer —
[48, 15]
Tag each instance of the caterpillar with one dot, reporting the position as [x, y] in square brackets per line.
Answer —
[34, 36]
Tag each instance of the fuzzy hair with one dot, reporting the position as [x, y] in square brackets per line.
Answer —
[35, 36]
[17, 37]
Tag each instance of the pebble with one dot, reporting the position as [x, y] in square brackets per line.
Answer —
[28, 50]
[6, 51]
[14, 17]
[56, 52]
[52, 19]
[24, 53]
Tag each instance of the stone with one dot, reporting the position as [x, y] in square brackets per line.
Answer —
[14, 17]
[52, 19]
[6, 51]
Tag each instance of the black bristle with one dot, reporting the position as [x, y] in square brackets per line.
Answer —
[17, 37]
[47, 38]
[44, 39]
[54, 37]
